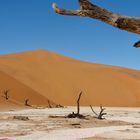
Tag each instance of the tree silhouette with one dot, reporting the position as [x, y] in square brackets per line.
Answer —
[6, 96]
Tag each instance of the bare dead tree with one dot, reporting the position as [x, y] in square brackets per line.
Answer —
[77, 115]
[137, 44]
[101, 113]
[49, 104]
[87, 9]
[27, 102]
[6, 96]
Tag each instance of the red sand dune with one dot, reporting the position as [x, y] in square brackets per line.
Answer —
[41, 75]
[17, 93]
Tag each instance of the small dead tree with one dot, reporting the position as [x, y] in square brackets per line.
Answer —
[101, 113]
[27, 102]
[49, 104]
[77, 115]
[6, 96]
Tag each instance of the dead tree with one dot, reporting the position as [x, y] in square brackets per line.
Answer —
[27, 102]
[49, 104]
[6, 96]
[78, 104]
[77, 115]
[87, 9]
[101, 113]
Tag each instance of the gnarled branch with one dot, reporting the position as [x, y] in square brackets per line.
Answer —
[101, 114]
[137, 44]
[87, 9]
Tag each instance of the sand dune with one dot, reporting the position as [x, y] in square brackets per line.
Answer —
[45, 75]
[18, 93]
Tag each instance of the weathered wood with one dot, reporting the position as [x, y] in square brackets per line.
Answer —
[6, 96]
[27, 102]
[93, 111]
[101, 113]
[87, 9]
[77, 115]
[78, 104]
[49, 104]
[137, 44]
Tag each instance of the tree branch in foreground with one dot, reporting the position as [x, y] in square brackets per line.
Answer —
[87, 9]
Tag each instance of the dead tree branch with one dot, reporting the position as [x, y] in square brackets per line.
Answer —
[101, 113]
[6, 96]
[77, 115]
[93, 110]
[27, 102]
[49, 104]
[78, 104]
[87, 9]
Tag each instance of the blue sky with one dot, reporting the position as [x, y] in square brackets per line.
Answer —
[32, 24]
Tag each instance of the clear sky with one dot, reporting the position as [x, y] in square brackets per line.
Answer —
[32, 24]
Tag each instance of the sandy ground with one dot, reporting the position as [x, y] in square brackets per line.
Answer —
[120, 124]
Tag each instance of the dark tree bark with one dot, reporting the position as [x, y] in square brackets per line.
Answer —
[78, 104]
[87, 9]
[6, 96]
[101, 113]
[137, 44]
[77, 115]
[27, 102]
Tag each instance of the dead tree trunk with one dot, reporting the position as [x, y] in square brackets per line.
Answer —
[6, 96]
[77, 115]
[101, 114]
[27, 102]
[78, 104]
[93, 110]
[49, 104]
[87, 9]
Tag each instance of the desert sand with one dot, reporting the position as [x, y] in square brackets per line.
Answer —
[48, 79]
[120, 124]
[40, 75]
[18, 93]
